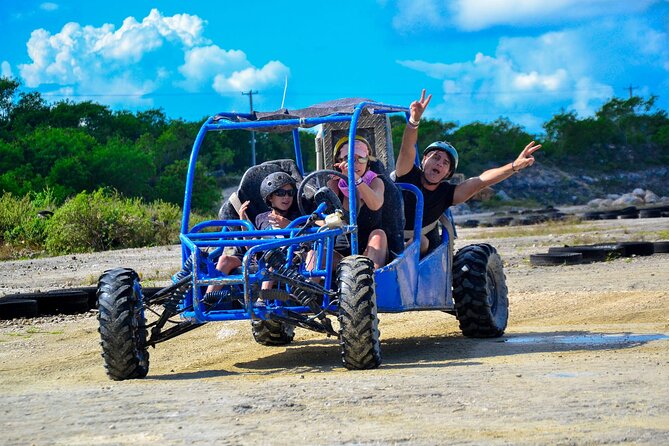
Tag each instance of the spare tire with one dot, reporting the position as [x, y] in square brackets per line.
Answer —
[558, 258]
[636, 248]
[502, 221]
[591, 253]
[650, 213]
[592, 216]
[661, 247]
[65, 301]
[14, 308]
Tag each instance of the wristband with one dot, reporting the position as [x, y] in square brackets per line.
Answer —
[513, 167]
[413, 124]
[358, 182]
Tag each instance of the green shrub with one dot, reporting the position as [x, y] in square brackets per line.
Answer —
[104, 220]
[20, 221]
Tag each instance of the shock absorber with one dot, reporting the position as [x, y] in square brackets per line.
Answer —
[304, 291]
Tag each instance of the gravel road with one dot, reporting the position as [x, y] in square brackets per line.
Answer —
[584, 361]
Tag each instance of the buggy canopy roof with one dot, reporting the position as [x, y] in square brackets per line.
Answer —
[338, 107]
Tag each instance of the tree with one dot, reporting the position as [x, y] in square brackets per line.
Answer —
[172, 183]
[121, 166]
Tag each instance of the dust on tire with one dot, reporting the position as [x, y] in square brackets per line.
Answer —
[122, 325]
[358, 322]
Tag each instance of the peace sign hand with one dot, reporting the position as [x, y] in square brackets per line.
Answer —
[417, 108]
[525, 159]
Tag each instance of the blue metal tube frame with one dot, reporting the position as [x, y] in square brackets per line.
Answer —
[298, 151]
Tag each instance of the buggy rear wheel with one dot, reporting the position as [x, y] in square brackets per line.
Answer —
[480, 292]
[122, 325]
[272, 333]
[358, 323]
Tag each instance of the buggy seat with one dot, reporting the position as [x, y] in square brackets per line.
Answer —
[376, 130]
[249, 189]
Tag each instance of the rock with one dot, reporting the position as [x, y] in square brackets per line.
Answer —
[461, 209]
[639, 192]
[613, 196]
[628, 200]
[651, 197]
[503, 196]
[605, 204]
[595, 203]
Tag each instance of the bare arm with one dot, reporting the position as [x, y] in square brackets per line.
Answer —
[407, 154]
[372, 195]
[467, 189]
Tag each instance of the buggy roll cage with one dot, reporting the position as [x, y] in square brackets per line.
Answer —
[345, 110]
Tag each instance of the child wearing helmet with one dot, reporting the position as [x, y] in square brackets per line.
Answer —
[278, 190]
[440, 159]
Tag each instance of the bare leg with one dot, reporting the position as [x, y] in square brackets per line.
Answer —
[225, 264]
[377, 248]
[424, 245]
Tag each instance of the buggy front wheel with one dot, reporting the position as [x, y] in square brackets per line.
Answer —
[122, 325]
[358, 323]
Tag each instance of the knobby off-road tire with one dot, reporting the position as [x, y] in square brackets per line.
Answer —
[122, 325]
[358, 323]
[272, 333]
[479, 292]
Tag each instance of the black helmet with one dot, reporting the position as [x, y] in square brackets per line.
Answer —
[448, 148]
[273, 182]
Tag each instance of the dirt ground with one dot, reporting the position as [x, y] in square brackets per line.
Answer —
[585, 360]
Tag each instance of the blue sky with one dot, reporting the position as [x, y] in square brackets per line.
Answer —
[525, 60]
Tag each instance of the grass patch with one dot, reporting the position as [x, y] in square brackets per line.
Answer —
[548, 228]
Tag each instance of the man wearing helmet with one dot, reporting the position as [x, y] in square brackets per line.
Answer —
[440, 159]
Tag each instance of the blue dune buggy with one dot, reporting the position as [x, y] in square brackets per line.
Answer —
[470, 285]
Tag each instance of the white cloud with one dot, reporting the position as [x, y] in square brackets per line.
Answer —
[202, 64]
[274, 72]
[6, 69]
[48, 6]
[123, 65]
[525, 77]
[474, 15]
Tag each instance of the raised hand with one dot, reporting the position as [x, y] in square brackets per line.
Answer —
[242, 210]
[417, 108]
[525, 159]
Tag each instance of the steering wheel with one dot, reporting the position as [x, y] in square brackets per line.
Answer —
[312, 195]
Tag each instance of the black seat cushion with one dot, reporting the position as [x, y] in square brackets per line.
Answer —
[249, 188]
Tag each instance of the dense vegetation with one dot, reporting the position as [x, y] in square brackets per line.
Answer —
[118, 168]
[625, 134]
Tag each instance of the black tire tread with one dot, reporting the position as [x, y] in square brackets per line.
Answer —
[472, 267]
[556, 258]
[124, 348]
[272, 333]
[14, 308]
[358, 322]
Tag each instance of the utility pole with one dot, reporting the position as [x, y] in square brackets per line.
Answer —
[631, 88]
[250, 94]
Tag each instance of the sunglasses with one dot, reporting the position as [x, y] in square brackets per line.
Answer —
[284, 192]
[360, 159]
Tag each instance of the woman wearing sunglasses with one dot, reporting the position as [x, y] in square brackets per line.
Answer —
[372, 240]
